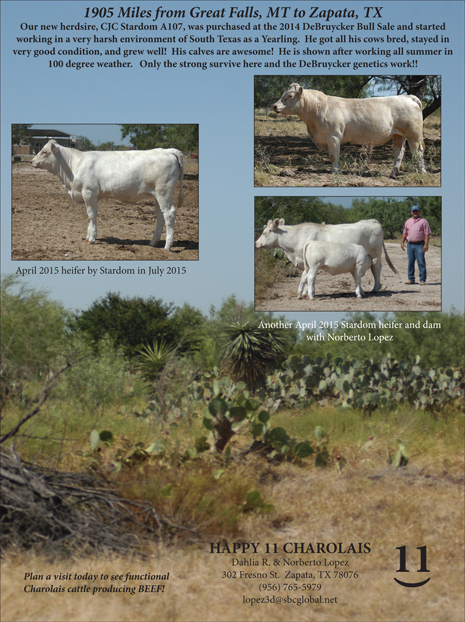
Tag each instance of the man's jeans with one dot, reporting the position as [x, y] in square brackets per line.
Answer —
[415, 253]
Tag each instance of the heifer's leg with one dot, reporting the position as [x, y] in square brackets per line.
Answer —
[166, 215]
[417, 148]
[399, 146]
[357, 274]
[311, 276]
[90, 199]
[334, 150]
[159, 227]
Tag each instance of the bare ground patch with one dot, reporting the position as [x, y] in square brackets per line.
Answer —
[292, 160]
[48, 225]
[337, 293]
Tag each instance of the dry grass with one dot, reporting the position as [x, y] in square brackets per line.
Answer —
[368, 501]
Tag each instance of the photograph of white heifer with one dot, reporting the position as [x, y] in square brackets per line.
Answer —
[335, 258]
[125, 175]
[333, 121]
[292, 239]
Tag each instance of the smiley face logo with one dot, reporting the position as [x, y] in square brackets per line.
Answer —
[403, 566]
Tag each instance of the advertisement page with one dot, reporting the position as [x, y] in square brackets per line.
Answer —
[232, 311]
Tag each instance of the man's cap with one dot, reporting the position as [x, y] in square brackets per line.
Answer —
[415, 208]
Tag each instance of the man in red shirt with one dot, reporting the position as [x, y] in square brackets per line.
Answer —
[416, 232]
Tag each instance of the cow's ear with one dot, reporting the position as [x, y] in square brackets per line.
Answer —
[281, 222]
[275, 223]
[54, 147]
[301, 90]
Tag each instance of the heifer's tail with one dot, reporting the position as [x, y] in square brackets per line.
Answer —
[390, 264]
[180, 159]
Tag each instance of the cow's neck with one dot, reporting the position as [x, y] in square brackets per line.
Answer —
[66, 160]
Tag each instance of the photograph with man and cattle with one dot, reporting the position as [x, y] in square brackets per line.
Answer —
[347, 131]
[347, 254]
[77, 197]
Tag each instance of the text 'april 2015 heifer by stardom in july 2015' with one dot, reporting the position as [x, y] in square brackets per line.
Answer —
[293, 239]
[123, 175]
[333, 121]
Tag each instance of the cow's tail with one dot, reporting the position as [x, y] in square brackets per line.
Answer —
[390, 264]
[180, 159]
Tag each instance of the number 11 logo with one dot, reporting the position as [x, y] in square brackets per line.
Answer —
[403, 566]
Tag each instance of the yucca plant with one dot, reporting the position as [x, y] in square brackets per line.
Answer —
[250, 353]
[153, 359]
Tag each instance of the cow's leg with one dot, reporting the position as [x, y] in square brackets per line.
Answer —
[165, 216]
[302, 285]
[334, 150]
[357, 274]
[399, 146]
[376, 272]
[90, 199]
[417, 147]
[159, 227]
[311, 276]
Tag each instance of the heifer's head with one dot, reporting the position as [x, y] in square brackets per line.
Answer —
[269, 237]
[46, 156]
[290, 100]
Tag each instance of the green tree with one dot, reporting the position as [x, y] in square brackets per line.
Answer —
[184, 137]
[130, 322]
[33, 331]
[19, 135]
[86, 144]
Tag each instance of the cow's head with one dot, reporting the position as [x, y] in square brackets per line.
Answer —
[290, 100]
[46, 156]
[269, 237]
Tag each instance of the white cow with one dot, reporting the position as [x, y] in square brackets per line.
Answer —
[332, 121]
[335, 258]
[124, 175]
[292, 240]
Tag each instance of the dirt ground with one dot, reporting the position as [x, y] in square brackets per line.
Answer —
[337, 293]
[294, 161]
[48, 225]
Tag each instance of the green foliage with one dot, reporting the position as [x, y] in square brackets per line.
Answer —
[86, 143]
[438, 338]
[19, 134]
[98, 381]
[268, 89]
[250, 352]
[33, 329]
[392, 213]
[363, 384]
[296, 210]
[130, 322]
[152, 359]
[184, 137]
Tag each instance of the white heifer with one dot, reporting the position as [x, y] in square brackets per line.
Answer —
[335, 258]
[292, 240]
[124, 175]
[333, 121]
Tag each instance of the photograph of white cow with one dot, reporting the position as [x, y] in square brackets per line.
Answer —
[293, 240]
[333, 121]
[351, 130]
[334, 258]
[123, 175]
[138, 184]
[336, 241]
